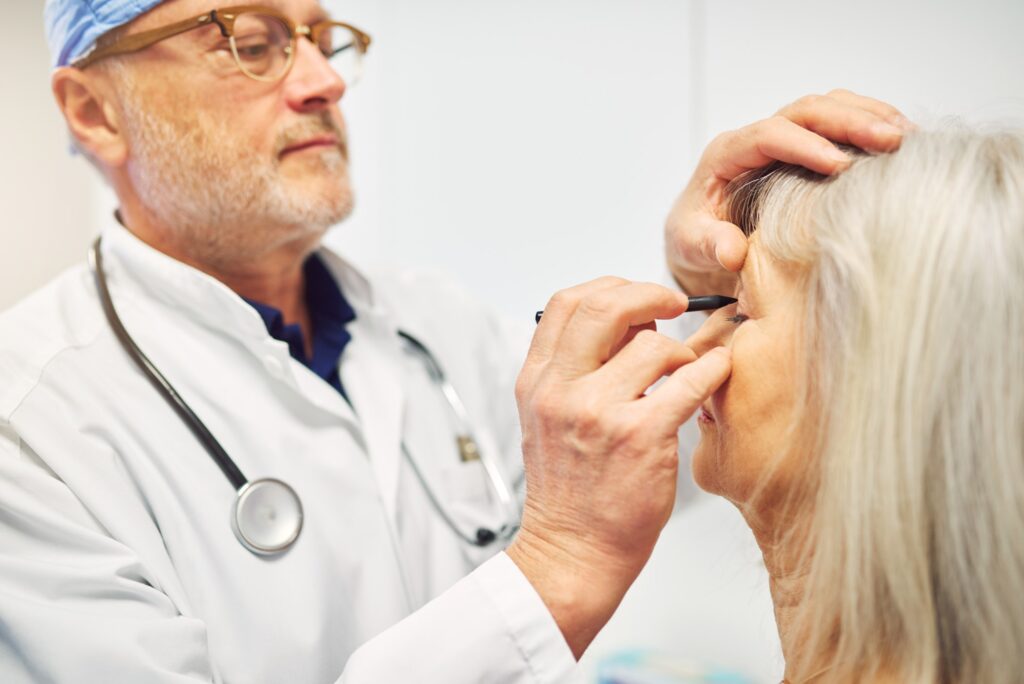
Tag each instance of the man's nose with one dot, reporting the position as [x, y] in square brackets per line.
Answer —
[717, 331]
[312, 84]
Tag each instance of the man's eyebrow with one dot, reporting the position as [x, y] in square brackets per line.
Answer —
[208, 35]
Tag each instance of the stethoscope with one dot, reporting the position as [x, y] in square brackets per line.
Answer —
[266, 516]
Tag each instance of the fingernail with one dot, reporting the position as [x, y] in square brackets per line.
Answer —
[886, 129]
[902, 122]
[836, 154]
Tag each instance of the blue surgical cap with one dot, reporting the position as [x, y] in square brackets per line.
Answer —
[72, 26]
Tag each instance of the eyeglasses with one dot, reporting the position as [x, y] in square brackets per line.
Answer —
[263, 41]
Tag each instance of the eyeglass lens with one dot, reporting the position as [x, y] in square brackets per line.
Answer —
[262, 46]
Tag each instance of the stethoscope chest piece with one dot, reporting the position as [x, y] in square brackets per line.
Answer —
[267, 516]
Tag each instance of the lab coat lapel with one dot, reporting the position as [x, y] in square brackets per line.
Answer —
[370, 373]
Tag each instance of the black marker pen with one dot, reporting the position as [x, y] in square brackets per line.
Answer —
[698, 303]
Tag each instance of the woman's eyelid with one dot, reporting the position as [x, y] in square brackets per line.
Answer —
[737, 316]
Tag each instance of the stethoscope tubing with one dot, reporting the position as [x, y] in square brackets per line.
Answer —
[498, 483]
[230, 469]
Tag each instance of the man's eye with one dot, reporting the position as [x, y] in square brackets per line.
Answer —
[737, 319]
[253, 51]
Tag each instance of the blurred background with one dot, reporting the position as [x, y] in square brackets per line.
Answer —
[525, 146]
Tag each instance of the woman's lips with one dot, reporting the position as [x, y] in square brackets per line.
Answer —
[705, 414]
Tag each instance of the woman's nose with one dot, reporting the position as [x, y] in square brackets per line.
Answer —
[717, 331]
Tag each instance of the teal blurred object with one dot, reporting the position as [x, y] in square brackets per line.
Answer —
[651, 667]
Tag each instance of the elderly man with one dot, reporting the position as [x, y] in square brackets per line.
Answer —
[227, 455]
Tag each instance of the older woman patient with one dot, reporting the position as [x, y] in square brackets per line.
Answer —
[872, 431]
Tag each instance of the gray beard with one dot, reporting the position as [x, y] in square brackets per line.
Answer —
[224, 204]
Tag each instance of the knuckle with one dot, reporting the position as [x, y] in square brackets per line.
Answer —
[589, 420]
[774, 123]
[597, 306]
[561, 300]
[706, 243]
[631, 434]
[589, 417]
[720, 143]
[648, 338]
[758, 131]
[692, 390]
[524, 385]
[810, 101]
[653, 343]
[623, 438]
[610, 281]
[721, 139]
[546, 404]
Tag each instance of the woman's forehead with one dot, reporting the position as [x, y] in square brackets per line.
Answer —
[764, 275]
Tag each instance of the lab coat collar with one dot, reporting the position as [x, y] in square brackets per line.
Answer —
[207, 299]
[370, 370]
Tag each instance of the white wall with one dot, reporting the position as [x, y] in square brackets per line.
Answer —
[931, 58]
[47, 196]
[524, 146]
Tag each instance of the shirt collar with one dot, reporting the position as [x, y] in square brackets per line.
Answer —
[329, 314]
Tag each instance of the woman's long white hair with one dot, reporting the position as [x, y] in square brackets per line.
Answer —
[914, 344]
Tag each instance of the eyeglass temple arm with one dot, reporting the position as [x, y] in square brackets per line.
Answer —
[116, 43]
[312, 34]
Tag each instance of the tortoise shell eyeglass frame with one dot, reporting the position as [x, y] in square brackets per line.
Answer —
[118, 42]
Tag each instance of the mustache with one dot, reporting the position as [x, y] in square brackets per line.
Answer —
[310, 127]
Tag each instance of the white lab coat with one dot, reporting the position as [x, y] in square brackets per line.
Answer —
[117, 559]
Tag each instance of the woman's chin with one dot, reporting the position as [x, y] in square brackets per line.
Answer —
[705, 462]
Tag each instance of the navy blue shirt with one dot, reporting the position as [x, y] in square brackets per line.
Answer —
[329, 313]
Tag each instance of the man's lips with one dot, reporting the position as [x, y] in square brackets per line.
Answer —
[319, 141]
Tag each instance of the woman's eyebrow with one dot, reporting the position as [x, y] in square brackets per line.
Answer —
[747, 281]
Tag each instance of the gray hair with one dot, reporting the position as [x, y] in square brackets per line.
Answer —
[914, 343]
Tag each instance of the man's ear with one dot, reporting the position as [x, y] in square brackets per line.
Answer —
[91, 117]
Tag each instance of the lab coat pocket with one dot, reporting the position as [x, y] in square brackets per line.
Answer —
[469, 497]
[466, 483]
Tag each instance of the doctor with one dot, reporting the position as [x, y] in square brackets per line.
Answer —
[298, 508]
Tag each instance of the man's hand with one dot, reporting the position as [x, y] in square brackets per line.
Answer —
[601, 455]
[704, 251]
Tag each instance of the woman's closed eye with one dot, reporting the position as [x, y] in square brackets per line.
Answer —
[738, 318]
